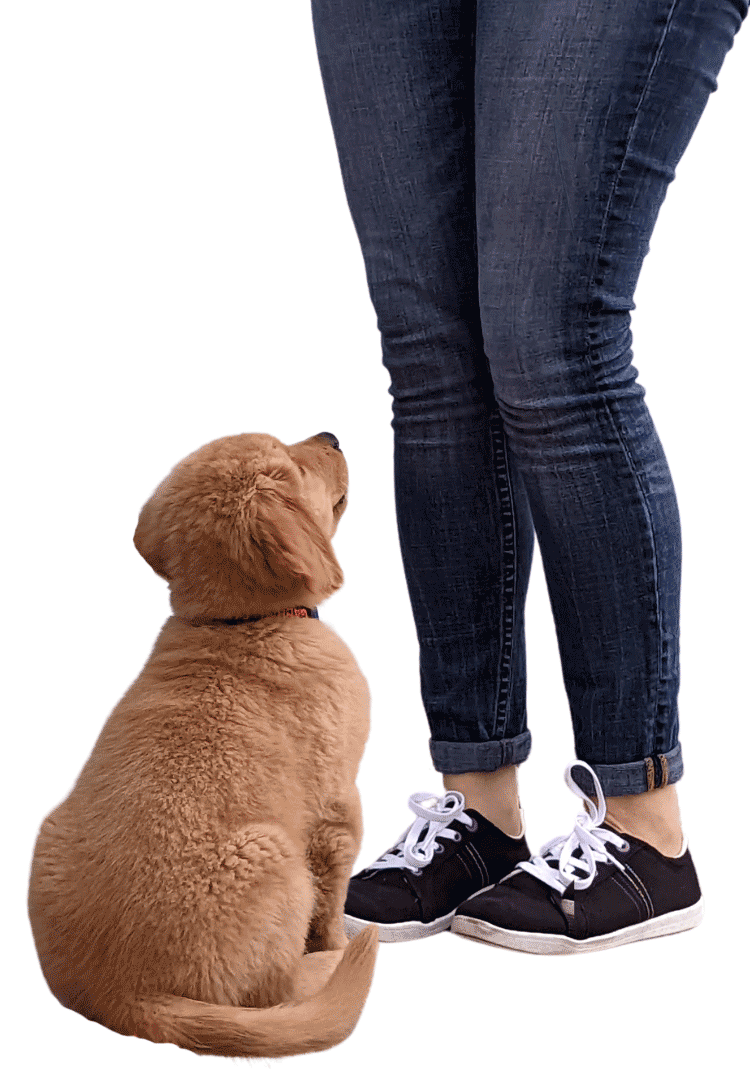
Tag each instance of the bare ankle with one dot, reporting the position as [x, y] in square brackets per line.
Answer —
[493, 794]
[653, 816]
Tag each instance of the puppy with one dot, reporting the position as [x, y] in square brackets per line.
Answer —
[191, 888]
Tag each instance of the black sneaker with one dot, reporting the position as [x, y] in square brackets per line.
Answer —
[413, 889]
[590, 890]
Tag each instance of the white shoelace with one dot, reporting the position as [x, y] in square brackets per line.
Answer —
[587, 834]
[416, 847]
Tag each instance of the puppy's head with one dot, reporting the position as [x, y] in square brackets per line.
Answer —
[243, 526]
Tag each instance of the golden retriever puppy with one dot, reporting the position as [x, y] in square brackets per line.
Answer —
[191, 888]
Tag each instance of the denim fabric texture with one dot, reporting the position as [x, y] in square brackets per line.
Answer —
[504, 162]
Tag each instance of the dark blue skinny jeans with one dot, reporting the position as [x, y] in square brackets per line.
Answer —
[504, 162]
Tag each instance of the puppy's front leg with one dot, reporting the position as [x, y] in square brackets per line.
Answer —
[332, 851]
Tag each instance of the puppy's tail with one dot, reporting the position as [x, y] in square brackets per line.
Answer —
[317, 1023]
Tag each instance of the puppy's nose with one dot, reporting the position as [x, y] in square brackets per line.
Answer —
[331, 438]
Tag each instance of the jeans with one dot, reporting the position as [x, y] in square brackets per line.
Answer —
[504, 162]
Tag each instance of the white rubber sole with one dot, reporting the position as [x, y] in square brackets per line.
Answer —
[405, 930]
[399, 933]
[542, 943]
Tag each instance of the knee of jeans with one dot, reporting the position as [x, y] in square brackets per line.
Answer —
[436, 364]
[559, 358]
[543, 352]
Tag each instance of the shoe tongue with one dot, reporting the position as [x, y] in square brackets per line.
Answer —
[420, 838]
[577, 854]
[423, 833]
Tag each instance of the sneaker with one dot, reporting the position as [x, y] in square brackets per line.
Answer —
[590, 890]
[413, 890]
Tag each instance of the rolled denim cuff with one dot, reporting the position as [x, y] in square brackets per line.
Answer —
[454, 758]
[632, 777]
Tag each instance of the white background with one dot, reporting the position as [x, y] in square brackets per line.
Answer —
[178, 264]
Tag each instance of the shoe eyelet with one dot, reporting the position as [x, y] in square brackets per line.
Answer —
[439, 848]
[474, 825]
[624, 849]
[417, 872]
[459, 837]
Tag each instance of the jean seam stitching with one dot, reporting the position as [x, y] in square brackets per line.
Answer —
[592, 280]
[508, 585]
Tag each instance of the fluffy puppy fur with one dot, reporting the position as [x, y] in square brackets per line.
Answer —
[191, 888]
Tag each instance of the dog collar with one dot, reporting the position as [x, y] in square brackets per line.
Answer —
[299, 610]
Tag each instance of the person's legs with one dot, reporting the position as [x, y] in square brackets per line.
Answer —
[583, 111]
[398, 79]
[503, 293]
[570, 179]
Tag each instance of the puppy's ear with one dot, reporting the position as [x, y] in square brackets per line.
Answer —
[148, 537]
[283, 539]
